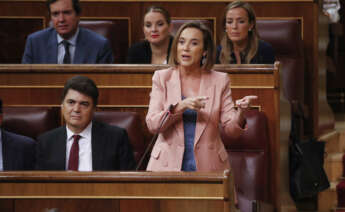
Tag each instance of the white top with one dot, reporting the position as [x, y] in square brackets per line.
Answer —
[85, 148]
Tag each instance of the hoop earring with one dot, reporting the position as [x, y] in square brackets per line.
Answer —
[203, 60]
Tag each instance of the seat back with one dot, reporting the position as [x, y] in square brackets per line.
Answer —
[177, 23]
[110, 29]
[30, 121]
[12, 40]
[249, 159]
[285, 36]
[130, 121]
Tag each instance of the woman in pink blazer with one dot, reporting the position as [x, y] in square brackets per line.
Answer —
[188, 103]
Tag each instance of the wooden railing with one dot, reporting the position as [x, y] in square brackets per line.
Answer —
[116, 191]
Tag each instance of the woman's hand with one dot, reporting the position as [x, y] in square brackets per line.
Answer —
[245, 102]
[243, 105]
[193, 103]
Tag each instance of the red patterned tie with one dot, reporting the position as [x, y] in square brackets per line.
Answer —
[74, 154]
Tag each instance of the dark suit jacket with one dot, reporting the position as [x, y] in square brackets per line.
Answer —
[18, 152]
[111, 149]
[42, 47]
[264, 55]
[140, 53]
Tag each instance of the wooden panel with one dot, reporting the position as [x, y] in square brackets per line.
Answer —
[13, 36]
[66, 205]
[117, 191]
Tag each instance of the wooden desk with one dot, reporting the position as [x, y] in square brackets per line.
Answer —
[116, 191]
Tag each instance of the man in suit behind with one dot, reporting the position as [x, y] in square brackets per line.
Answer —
[17, 152]
[100, 147]
[66, 42]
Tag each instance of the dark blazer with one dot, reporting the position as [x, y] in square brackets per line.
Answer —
[264, 55]
[42, 47]
[111, 149]
[140, 53]
[18, 152]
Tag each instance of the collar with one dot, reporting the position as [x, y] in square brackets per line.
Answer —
[86, 133]
[72, 40]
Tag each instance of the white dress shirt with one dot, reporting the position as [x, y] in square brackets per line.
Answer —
[61, 49]
[85, 148]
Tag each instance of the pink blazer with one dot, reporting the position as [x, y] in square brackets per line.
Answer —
[209, 150]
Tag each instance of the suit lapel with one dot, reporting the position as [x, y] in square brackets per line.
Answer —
[206, 89]
[98, 140]
[7, 152]
[81, 48]
[60, 148]
[174, 96]
[52, 48]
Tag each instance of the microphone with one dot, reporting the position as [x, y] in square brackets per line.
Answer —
[153, 140]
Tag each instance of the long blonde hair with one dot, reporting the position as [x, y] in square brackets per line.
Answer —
[253, 36]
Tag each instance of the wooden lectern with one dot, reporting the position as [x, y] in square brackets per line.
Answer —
[39, 191]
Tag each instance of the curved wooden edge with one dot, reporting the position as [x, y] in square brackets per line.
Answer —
[111, 176]
[165, 1]
[128, 68]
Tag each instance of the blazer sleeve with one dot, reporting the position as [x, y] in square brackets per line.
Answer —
[27, 56]
[125, 152]
[266, 54]
[158, 117]
[30, 154]
[40, 158]
[229, 117]
[139, 53]
[131, 55]
[106, 54]
[18, 152]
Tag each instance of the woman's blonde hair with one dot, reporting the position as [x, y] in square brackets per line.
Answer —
[253, 36]
[209, 59]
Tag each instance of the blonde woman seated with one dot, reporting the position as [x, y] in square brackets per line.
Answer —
[240, 43]
[188, 101]
[156, 46]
